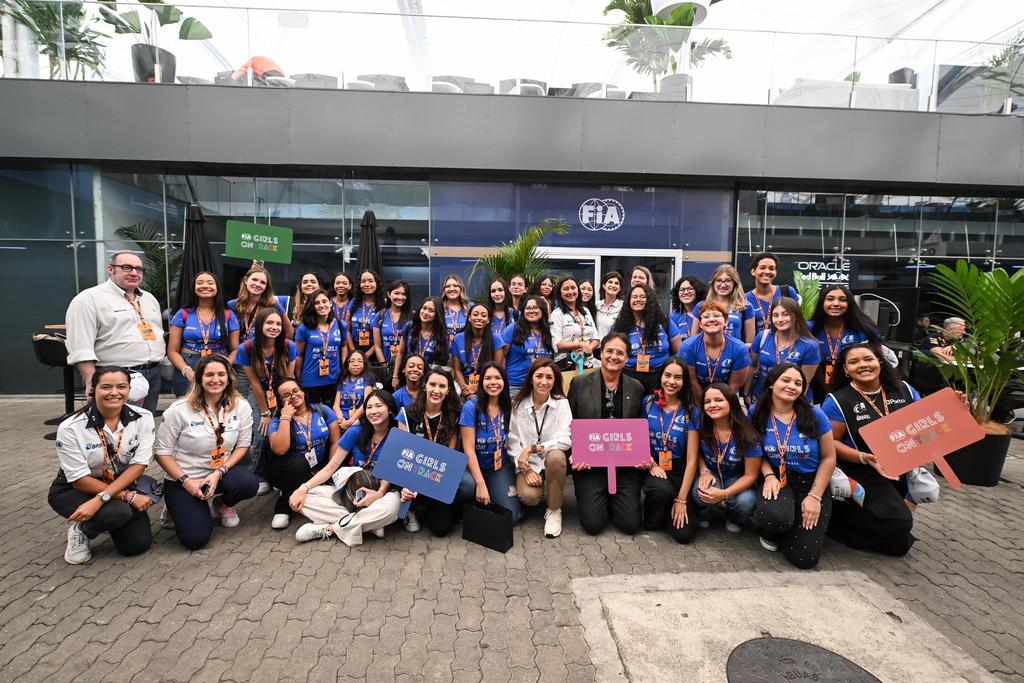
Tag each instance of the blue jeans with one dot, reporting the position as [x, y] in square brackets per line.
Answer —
[501, 485]
[193, 522]
[179, 384]
[251, 461]
[738, 508]
[152, 376]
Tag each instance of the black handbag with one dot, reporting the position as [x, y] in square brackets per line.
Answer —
[346, 495]
[487, 525]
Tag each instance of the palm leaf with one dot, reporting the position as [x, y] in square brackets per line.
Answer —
[809, 290]
[521, 254]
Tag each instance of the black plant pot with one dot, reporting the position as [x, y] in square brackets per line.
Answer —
[144, 59]
[981, 463]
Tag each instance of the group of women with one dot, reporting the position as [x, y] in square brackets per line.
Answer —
[299, 393]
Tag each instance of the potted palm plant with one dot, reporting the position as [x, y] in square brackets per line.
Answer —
[520, 256]
[152, 64]
[61, 30]
[987, 360]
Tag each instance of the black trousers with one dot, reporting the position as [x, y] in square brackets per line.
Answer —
[781, 520]
[129, 529]
[659, 495]
[883, 525]
[321, 394]
[286, 472]
[597, 506]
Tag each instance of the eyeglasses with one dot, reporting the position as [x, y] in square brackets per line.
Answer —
[687, 290]
[726, 281]
[294, 392]
[128, 268]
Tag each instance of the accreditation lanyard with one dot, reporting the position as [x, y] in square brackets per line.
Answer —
[765, 307]
[499, 323]
[392, 334]
[340, 309]
[871, 402]
[109, 455]
[643, 359]
[325, 338]
[431, 434]
[723, 449]
[374, 447]
[271, 363]
[544, 418]
[205, 333]
[833, 352]
[217, 454]
[451, 317]
[145, 329]
[783, 445]
[537, 340]
[423, 344]
[665, 455]
[781, 354]
[307, 434]
[474, 361]
[498, 437]
[365, 323]
[712, 366]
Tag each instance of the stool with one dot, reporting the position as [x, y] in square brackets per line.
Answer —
[52, 352]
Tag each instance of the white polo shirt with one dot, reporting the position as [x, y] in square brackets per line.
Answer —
[103, 327]
[186, 435]
[80, 451]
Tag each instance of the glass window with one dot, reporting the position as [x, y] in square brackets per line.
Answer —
[750, 221]
[957, 226]
[34, 202]
[882, 224]
[1011, 228]
[804, 223]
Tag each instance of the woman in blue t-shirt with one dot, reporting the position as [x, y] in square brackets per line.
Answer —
[649, 332]
[320, 343]
[364, 312]
[795, 505]
[255, 292]
[837, 323]
[302, 437]
[456, 306]
[688, 292]
[389, 326]
[427, 336]
[788, 341]
[484, 423]
[527, 340]
[413, 370]
[355, 385]
[202, 327]
[672, 420]
[475, 345]
[499, 306]
[713, 356]
[764, 267]
[727, 290]
[342, 301]
[731, 457]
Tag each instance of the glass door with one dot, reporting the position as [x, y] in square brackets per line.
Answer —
[665, 265]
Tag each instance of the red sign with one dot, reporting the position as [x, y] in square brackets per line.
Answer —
[924, 431]
[611, 443]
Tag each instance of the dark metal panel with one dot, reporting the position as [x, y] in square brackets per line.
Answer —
[142, 122]
[530, 133]
[979, 149]
[803, 142]
[647, 136]
[717, 139]
[234, 125]
[42, 122]
[890, 145]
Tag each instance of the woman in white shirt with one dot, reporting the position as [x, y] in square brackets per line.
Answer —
[201, 439]
[610, 304]
[539, 439]
[103, 449]
[572, 327]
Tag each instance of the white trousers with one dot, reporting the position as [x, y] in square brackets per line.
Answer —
[320, 508]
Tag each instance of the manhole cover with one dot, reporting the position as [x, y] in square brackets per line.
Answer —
[765, 660]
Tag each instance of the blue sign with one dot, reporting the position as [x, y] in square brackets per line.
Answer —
[420, 465]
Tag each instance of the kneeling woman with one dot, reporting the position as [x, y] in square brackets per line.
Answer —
[484, 423]
[794, 508]
[672, 420]
[539, 439]
[376, 506]
[865, 388]
[302, 438]
[732, 458]
[201, 439]
[103, 449]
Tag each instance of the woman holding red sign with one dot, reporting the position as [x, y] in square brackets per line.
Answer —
[795, 504]
[865, 388]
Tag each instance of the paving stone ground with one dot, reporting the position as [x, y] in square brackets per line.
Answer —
[255, 605]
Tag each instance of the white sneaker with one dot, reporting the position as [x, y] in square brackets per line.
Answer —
[379, 533]
[263, 489]
[732, 527]
[412, 525]
[77, 551]
[228, 515]
[705, 524]
[166, 521]
[770, 546]
[280, 521]
[313, 532]
[552, 523]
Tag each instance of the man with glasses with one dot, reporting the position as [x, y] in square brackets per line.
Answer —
[116, 323]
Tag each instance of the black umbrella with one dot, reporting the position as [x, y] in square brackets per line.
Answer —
[196, 257]
[369, 247]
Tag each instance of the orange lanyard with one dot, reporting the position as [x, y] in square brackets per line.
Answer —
[366, 317]
[665, 432]
[780, 354]
[138, 307]
[431, 435]
[871, 402]
[423, 343]
[374, 447]
[325, 338]
[205, 331]
[307, 433]
[639, 329]
[218, 427]
[451, 316]
[712, 371]
[765, 323]
[110, 455]
[833, 351]
[474, 355]
[537, 338]
[496, 426]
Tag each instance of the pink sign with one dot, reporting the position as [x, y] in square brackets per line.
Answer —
[611, 444]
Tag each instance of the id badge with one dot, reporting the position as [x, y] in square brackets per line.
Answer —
[394, 350]
[665, 460]
[474, 377]
[271, 399]
[497, 459]
[364, 337]
[782, 472]
[829, 367]
[205, 352]
[311, 457]
[217, 456]
[643, 362]
[146, 330]
[325, 367]
[107, 475]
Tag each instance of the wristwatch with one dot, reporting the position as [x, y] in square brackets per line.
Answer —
[104, 496]
[182, 479]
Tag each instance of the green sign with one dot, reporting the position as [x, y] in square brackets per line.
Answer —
[256, 242]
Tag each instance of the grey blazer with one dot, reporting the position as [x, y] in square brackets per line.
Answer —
[586, 400]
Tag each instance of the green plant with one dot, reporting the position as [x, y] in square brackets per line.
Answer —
[809, 290]
[162, 261]
[990, 354]
[60, 28]
[132, 22]
[520, 256]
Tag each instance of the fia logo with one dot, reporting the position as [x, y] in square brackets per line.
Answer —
[605, 215]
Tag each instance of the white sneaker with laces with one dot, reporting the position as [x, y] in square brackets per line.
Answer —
[313, 532]
[228, 515]
[732, 527]
[412, 525]
[770, 546]
[379, 533]
[552, 523]
[77, 551]
[280, 521]
[263, 489]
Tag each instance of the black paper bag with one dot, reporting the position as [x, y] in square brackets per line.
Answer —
[487, 525]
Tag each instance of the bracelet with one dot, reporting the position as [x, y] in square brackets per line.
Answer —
[308, 489]
[124, 496]
[678, 500]
[286, 418]
[770, 474]
[131, 500]
[817, 498]
[223, 469]
[861, 456]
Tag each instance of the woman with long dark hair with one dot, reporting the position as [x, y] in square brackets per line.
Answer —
[527, 341]
[456, 305]
[572, 326]
[688, 292]
[712, 356]
[610, 304]
[475, 345]
[544, 287]
[643, 321]
[518, 285]
[103, 449]
[499, 305]
[390, 326]
[355, 385]
[203, 326]
[673, 421]
[427, 336]
[588, 297]
[256, 291]
[731, 451]
[342, 301]
[320, 348]
[787, 341]
[364, 312]
[266, 359]
[795, 504]
[309, 284]
[837, 323]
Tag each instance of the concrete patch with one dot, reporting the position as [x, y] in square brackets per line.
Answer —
[682, 627]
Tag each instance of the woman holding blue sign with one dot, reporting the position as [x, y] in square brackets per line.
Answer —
[355, 385]
[301, 437]
[375, 505]
[788, 341]
[388, 328]
[649, 332]
[320, 345]
[204, 326]
[713, 356]
[484, 423]
[672, 417]
[731, 451]
[364, 312]
[475, 345]
[427, 336]
[527, 341]
[795, 504]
